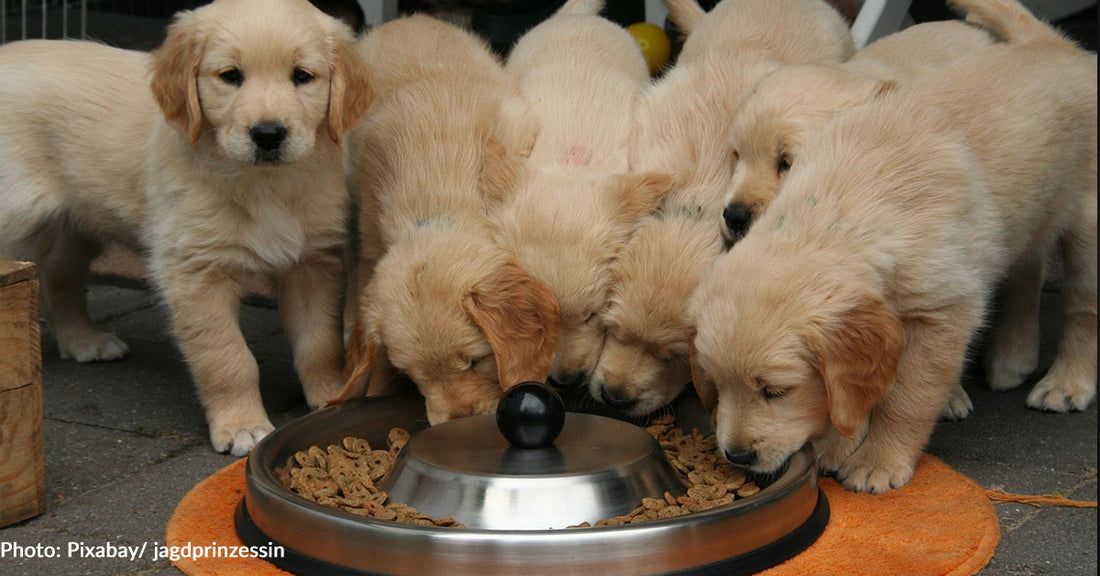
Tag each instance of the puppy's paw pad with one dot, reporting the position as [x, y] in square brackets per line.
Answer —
[98, 347]
[239, 441]
[1061, 396]
[958, 406]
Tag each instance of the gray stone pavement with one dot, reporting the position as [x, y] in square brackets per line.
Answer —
[126, 440]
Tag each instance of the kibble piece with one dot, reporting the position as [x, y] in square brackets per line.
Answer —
[747, 490]
[356, 445]
[397, 439]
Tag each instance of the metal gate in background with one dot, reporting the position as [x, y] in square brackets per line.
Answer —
[135, 24]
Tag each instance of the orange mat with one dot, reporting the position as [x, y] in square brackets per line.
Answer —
[941, 523]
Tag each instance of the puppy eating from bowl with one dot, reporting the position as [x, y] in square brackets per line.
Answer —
[682, 126]
[843, 317]
[219, 156]
[573, 201]
[438, 300]
[785, 107]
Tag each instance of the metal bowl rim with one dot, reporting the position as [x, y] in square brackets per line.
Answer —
[258, 477]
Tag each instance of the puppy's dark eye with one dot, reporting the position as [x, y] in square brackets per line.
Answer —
[735, 156]
[301, 77]
[232, 76]
[772, 392]
[783, 164]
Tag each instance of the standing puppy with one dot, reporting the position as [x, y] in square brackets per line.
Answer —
[860, 287]
[787, 106]
[573, 203]
[238, 174]
[438, 299]
[682, 127]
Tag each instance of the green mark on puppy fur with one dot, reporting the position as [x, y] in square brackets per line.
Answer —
[781, 220]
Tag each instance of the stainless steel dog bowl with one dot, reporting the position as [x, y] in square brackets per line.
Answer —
[515, 518]
[598, 468]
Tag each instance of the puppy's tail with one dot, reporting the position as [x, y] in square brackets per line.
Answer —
[582, 7]
[685, 14]
[1010, 21]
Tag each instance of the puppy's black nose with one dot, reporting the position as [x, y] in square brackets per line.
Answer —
[616, 400]
[740, 457]
[268, 136]
[567, 381]
[738, 217]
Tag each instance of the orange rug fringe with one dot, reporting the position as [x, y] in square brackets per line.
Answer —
[1038, 501]
[940, 524]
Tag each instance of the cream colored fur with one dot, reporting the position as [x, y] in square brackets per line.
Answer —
[574, 202]
[843, 316]
[788, 105]
[87, 158]
[682, 128]
[439, 301]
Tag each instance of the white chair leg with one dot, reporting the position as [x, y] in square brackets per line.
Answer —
[877, 18]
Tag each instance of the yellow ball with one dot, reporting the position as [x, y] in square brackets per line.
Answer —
[654, 45]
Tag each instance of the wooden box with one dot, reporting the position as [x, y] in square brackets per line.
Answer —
[22, 454]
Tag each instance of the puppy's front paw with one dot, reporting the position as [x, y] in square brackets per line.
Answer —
[877, 471]
[239, 440]
[319, 391]
[832, 449]
[958, 405]
[1056, 394]
[1005, 370]
[93, 347]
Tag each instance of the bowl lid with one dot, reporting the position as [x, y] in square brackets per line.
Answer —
[597, 468]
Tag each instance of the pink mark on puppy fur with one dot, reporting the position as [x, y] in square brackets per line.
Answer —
[575, 155]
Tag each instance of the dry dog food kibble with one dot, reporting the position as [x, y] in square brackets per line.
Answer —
[343, 477]
[712, 481]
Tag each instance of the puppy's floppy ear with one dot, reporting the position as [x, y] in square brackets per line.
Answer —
[639, 194]
[366, 368]
[175, 77]
[519, 317]
[859, 355]
[704, 386]
[859, 89]
[350, 91]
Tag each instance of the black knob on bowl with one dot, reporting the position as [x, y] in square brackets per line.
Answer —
[530, 415]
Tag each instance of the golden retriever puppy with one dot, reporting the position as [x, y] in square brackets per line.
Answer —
[439, 300]
[843, 316]
[61, 198]
[573, 202]
[238, 174]
[788, 105]
[682, 128]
